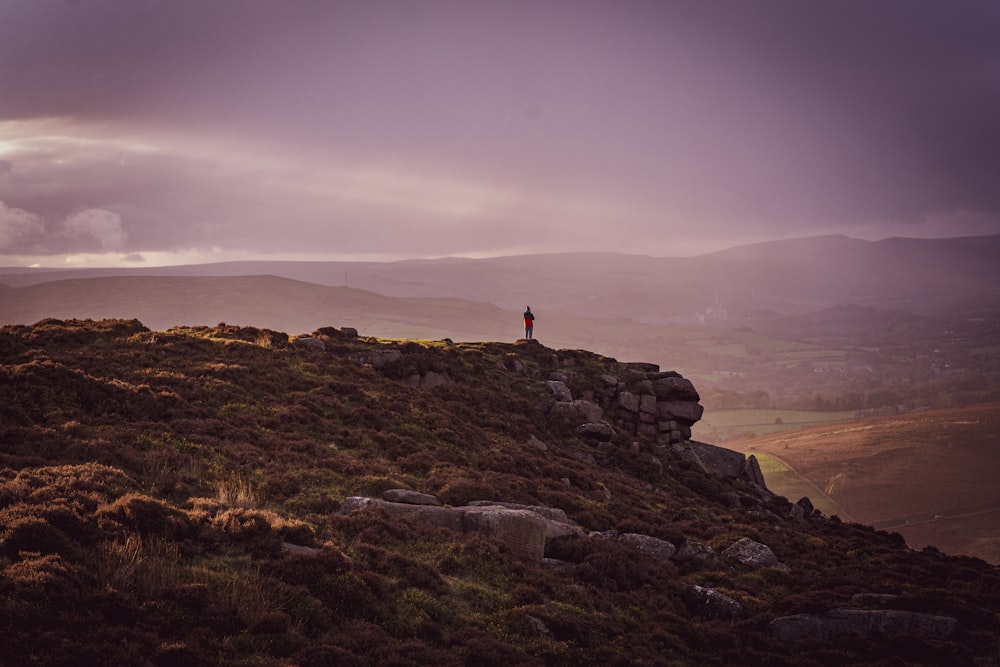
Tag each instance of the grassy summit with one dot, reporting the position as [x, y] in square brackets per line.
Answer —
[172, 498]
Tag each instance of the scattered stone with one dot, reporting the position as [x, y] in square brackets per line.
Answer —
[557, 524]
[410, 497]
[874, 599]
[556, 564]
[651, 546]
[708, 603]
[537, 444]
[432, 379]
[560, 391]
[862, 624]
[350, 332]
[694, 552]
[376, 358]
[312, 343]
[538, 626]
[522, 531]
[298, 549]
[595, 431]
[753, 554]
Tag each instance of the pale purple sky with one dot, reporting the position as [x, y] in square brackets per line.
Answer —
[195, 130]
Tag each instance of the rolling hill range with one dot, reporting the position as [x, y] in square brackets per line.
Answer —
[925, 276]
[931, 476]
[228, 495]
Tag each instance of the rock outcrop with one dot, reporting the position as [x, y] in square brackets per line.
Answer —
[724, 462]
[641, 401]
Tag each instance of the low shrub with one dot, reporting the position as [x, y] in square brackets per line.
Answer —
[145, 515]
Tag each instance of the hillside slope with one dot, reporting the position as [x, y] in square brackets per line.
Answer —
[931, 476]
[181, 497]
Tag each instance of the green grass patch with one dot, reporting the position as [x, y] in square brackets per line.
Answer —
[721, 425]
[786, 482]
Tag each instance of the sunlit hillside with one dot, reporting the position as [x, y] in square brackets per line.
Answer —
[930, 475]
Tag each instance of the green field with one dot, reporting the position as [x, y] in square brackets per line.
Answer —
[784, 481]
[721, 425]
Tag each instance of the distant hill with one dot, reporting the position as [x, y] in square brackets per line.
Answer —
[263, 301]
[926, 276]
[931, 476]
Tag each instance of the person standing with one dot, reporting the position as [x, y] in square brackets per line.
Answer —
[529, 322]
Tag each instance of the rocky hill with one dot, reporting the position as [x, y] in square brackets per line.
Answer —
[237, 496]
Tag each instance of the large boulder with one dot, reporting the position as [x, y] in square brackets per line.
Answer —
[675, 388]
[694, 553]
[708, 603]
[651, 546]
[521, 531]
[409, 497]
[429, 515]
[686, 412]
[309, 342]
[578, 411]
[557, 524]
[753, 554]
[560, 391]
[721, 461]
[601, 431]
[862, 624]
[725, 462]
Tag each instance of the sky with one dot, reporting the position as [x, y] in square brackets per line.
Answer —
[145, 132]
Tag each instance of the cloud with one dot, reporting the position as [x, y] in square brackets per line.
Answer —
[450, 127]
[99, 225]
[19, 230]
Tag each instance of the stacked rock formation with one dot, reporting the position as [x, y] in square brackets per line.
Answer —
[639, 401]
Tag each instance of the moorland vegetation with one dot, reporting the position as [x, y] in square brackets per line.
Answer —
[174, 498]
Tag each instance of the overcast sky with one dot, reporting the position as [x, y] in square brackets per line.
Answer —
[139, 131]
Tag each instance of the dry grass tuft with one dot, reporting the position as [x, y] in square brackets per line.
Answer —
[239, 492]
[144, 566]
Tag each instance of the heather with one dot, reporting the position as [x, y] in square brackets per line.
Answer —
[174, 498]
